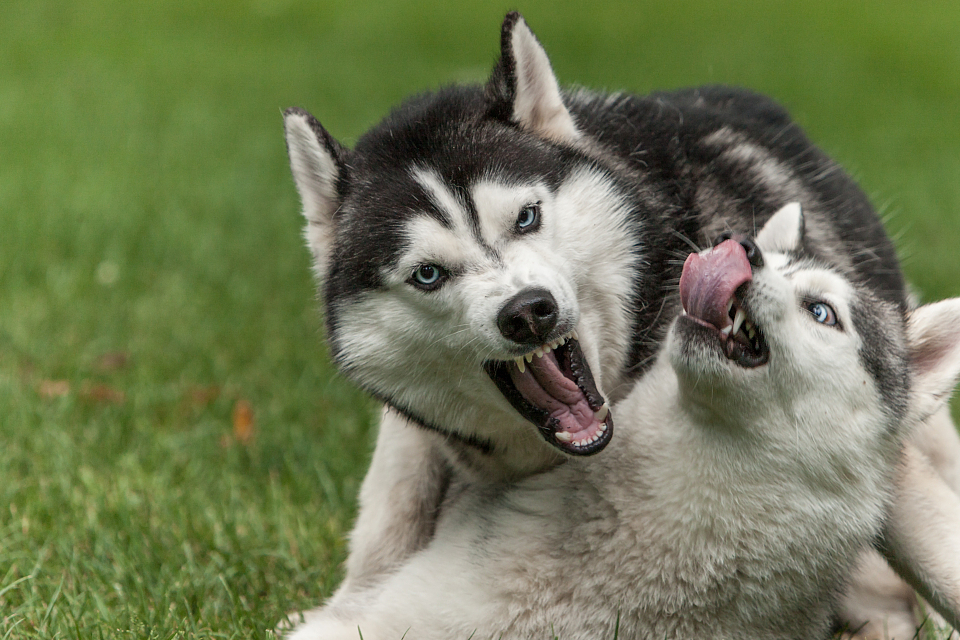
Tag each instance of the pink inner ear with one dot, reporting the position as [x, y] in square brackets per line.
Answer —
[933, 339]
[927, 355]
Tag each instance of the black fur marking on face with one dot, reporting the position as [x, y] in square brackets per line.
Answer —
[883, 350]
[476, 443]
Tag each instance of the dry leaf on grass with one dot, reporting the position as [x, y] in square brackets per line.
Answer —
[102, 393]
[113, 361]
[243, 423]
[53, 388]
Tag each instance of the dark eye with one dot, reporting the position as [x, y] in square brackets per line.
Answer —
[822, 313]
[529, 218]
[427, 276]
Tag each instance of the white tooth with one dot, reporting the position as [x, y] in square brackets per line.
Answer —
[575, 335]
[738, 320]
[726, 331]
[563, 436]
[729, 305]
[547, 349]
[539, 352]
[529, 357]
[601, 414]
[562, 341]
[520, 365]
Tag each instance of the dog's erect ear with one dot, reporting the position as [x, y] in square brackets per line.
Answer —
[523, 88]
[319, 170]
[933, 342]
[784, 230]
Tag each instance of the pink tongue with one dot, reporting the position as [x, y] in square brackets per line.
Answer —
[709, 280]
[545, 386]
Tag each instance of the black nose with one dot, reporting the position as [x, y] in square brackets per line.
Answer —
[753, 251]
[528, 317]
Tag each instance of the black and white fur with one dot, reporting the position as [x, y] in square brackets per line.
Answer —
[735, 500]
[624, 187]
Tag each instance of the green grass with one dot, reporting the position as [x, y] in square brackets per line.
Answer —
[152, 275]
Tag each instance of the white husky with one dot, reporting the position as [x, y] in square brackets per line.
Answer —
[755, 461]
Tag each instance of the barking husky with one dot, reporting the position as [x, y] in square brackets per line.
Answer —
[754, 461]
[498, 264]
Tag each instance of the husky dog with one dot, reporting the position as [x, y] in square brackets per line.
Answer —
[478, 227]
[754, 461]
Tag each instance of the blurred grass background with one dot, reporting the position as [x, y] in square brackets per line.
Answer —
[177, 456]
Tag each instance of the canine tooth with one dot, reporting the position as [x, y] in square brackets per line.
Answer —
[738, 320]
[575, 335]
[726, 330]
[520, 366]
[601, 413]
[563, 436]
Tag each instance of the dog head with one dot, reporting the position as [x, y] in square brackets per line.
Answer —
[472, 258]
[771, 338]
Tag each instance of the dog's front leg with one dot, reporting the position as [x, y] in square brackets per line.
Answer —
[921, 539]
[878, 602]
[399, 502]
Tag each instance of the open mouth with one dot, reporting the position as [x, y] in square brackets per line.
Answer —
[713, 288]
[741, 339]
[553, 388]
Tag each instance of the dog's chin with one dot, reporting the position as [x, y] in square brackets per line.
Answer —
[554, 389]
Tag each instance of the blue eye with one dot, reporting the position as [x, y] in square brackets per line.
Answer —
[822, 313]
[529, 218]
[427, 276]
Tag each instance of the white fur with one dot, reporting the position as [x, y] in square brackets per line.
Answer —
[421, 343]
[733, 505]
[539, 106]
[315, 174]
[784, 229]
[426, 349]
[922, 537]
